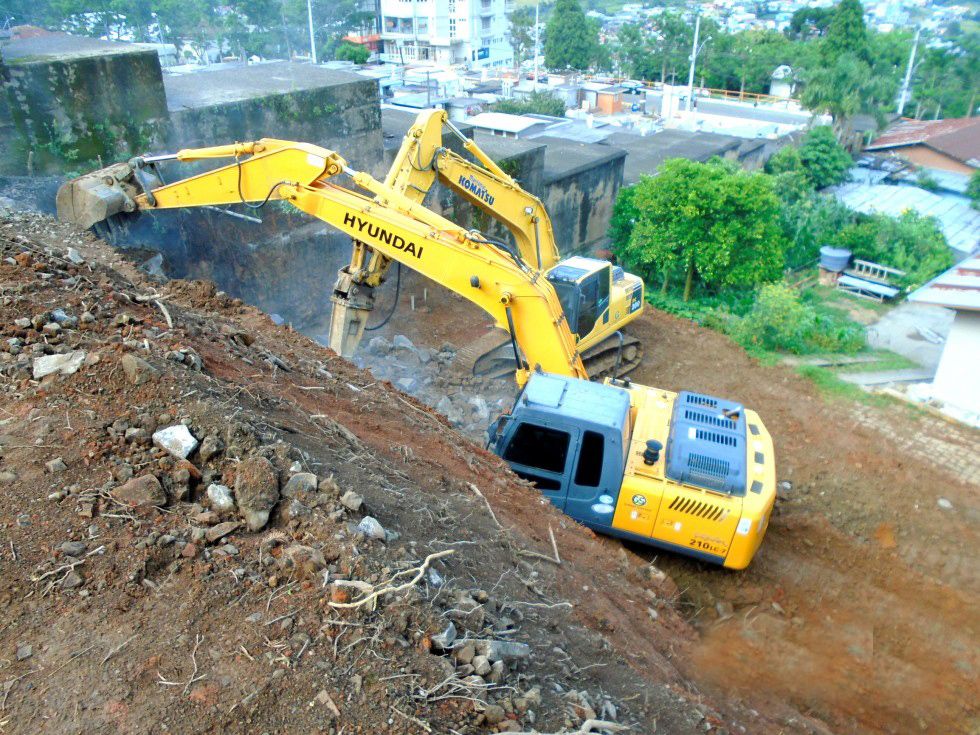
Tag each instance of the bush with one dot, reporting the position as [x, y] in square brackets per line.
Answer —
[820, 158]
[538, 103]
[973, 189]
[348, 51]
[911, 243]
[781, 321]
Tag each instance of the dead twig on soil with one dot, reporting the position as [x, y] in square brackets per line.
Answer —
[389, 586]
[486, 502]
[118, 648]
[424, 725]
[587, 728]
[198, 639]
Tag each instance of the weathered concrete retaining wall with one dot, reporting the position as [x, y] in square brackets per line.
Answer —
[76, 101]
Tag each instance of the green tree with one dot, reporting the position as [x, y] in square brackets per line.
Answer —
[571, 40]
[355, 52]
[709, 221]
[823, 159]
[808, 23]
[540, 103]
[522, 34]
[846, 33]
[973, 189]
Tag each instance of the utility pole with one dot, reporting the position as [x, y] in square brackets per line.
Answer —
[903, 96]
[309, 17]
[694, 56]
[537, 33]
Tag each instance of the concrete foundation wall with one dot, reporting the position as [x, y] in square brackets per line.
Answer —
[77, 101]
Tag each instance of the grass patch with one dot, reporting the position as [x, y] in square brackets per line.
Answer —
[832, 387]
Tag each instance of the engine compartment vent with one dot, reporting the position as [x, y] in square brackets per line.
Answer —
[706, 445]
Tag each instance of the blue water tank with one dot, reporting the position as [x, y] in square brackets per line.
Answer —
[834, 260]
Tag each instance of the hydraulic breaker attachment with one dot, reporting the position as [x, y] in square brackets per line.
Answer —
[353, 303]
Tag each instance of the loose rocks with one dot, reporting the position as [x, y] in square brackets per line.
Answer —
[177, 440]
[138, 370]
[141, 492]
[257, 490]
[66, 364]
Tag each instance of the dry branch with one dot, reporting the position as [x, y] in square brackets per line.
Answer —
[389, 587]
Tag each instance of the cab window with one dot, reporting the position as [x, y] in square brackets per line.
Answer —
[588, 306]
[539, 447]
[589, 469]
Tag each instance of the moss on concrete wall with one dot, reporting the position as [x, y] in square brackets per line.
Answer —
[71, 113]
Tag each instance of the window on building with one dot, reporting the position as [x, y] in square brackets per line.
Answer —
[452, 27]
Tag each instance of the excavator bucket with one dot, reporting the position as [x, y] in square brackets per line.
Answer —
[99, 195]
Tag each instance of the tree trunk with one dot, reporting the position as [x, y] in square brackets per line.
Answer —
[689, 283]
[741, 87]
[666, 283]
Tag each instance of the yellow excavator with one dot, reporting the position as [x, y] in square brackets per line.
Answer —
[598, 298]
[684, 471]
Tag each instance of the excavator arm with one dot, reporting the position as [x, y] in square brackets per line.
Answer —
[389, 225]
[419, 163]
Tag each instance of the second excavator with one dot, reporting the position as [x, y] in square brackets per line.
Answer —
[598, 298]
[684, 471]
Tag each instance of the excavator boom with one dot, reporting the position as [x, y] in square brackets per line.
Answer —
[390, 224]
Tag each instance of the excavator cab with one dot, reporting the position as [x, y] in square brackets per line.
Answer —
[686, 472]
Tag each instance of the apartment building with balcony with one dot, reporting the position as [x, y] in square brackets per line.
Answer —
[474, 33]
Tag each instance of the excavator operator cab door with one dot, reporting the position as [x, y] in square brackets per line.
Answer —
[540, 451]
[583, 286]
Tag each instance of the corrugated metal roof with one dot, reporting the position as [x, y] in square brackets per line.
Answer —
[957, 288]
[956, 137]
[959, 222]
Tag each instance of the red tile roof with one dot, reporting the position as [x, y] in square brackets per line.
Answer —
[958, 138]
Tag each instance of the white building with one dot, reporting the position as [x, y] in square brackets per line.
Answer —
[956, 384]
[475, 33]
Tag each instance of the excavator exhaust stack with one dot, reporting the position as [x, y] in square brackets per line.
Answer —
[100, 195]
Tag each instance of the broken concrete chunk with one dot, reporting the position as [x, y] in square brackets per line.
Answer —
[177, 440]
[503, 650]
[138, 370]
[66, 364]
[444, 640]
[55, 465]
[371, 528]
[219, 497]
[401, 342]
[141, 492]
[257, 491]
[300, 484]
[352, 501]
[74, 256]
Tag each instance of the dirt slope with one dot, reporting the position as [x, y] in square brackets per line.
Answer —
[859, 612]
[861, 607]
[135, 598]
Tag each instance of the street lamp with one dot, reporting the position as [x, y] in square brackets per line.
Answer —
[309, 17]
[695, 50]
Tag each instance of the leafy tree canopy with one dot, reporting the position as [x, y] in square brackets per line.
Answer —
[571, 41]
[709, 220]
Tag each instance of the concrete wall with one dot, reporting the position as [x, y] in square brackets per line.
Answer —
[956, 377]
[77, 101]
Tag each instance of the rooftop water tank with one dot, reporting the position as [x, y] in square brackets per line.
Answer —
[834, 260]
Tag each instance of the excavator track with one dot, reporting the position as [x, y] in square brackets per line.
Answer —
[492, 356]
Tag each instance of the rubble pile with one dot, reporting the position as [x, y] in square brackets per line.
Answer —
[212, 523]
